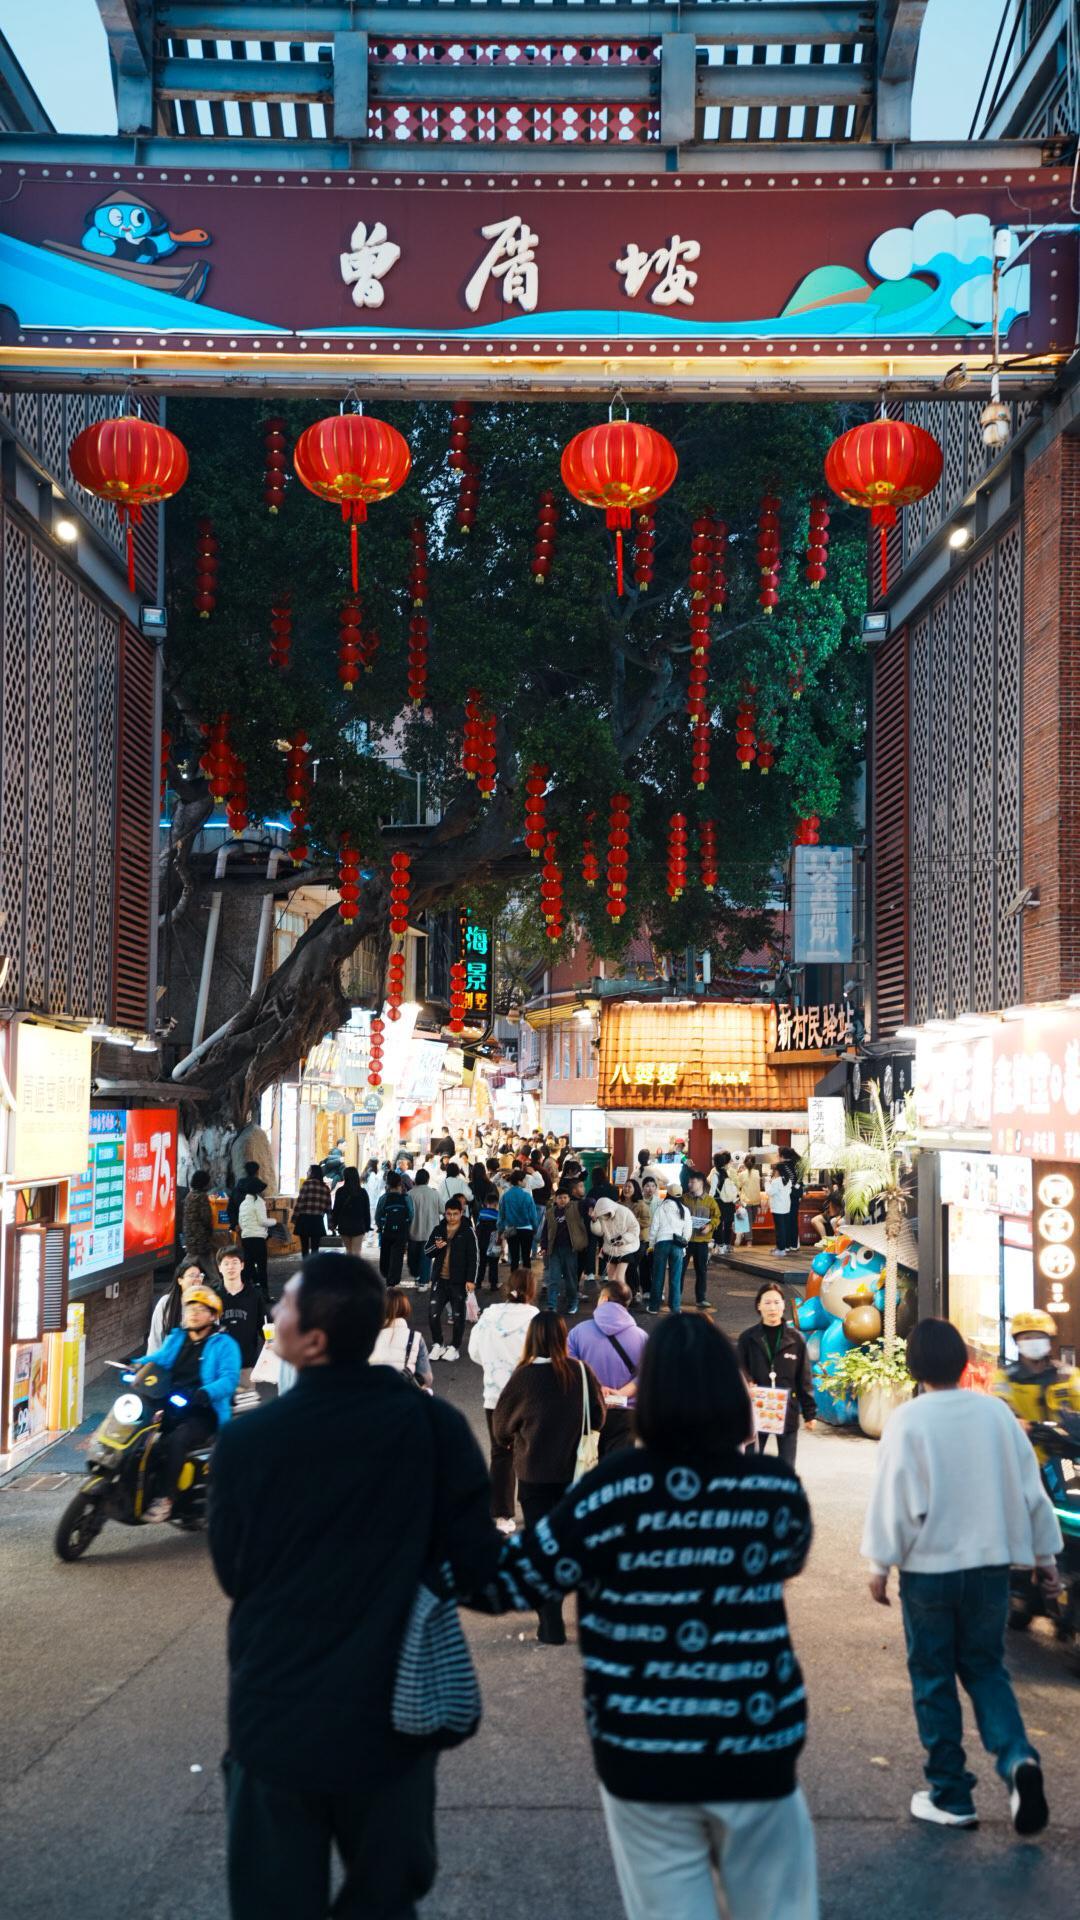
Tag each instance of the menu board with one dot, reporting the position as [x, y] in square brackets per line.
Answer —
[96, 1197]
[124, 1204]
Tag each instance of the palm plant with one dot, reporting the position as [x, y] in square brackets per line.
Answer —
[872, 1161]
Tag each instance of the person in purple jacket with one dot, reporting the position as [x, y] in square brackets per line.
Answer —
[612, 1343]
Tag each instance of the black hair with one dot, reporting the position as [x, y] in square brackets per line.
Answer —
[455, 1204]
[230, 1251]
[769, 1286]
[200, 1182]
[691, 1397]
[637, 1194]
[617, 1290]
[251, 1168]
[314, 1172]
[346, 1298]
[423, 1177]
[393, 1182]
[516, 1177]
[453, 1171]
[350, 1180]
[936, 1353]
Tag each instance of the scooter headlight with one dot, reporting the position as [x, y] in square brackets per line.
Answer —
[127, 1409]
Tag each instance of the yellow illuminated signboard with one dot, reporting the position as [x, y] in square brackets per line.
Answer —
[691, 1058]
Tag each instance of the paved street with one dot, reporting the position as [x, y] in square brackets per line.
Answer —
[112, 1686]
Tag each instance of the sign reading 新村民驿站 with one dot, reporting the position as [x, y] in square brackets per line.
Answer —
[246, 263]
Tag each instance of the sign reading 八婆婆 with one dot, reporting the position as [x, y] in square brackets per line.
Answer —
[475, 947]
[718, 1055]
[894, 268]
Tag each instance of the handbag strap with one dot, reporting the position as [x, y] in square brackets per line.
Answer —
[405, 1367]
[622, 1353]
[586, 1414]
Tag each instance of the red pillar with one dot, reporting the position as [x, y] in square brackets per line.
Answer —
[699, 1144]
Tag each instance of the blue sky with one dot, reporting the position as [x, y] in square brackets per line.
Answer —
[77, 93]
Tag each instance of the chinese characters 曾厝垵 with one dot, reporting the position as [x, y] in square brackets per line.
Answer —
[676, 279]
[511, 258]
[372, 255]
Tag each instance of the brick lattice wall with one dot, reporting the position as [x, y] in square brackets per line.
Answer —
[1051, 735]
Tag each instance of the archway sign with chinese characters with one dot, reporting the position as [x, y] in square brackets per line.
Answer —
[439, 284]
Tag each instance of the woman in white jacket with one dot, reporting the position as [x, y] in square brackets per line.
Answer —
[496, 1343]
[619, 1233]
[399, 1345]
[254, 1233]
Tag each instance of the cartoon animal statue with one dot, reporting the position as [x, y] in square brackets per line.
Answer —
[123, 227]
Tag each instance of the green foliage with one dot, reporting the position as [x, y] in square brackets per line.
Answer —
[590, 685]
[860, 1368]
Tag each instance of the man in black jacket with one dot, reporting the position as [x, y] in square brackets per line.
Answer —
[326, 1506]
[455, 1262]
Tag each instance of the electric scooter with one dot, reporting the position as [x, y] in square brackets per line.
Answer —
[126, 1462]
[1060, 1469]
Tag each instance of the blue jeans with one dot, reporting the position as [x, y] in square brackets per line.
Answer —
[669, 1256]
[562, 1271]
[954, 1624]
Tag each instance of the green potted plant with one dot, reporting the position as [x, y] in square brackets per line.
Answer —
[877, 1379]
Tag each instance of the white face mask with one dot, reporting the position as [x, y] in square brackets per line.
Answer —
[1034, 1346]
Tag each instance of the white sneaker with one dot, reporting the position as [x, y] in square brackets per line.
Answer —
[507, 1526]
[436, 1353]
[449, 1353]
[406, 1284]
[923, 1808]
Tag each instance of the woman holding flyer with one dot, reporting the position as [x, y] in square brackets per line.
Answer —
[774, 1357]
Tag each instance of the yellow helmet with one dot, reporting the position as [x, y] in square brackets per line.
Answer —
[1033, 1320]
[202, 1297]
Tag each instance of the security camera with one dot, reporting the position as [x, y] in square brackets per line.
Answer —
[1027, 898]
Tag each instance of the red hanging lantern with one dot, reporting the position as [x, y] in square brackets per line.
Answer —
[807, 830]
[536, 781]
[547, 522]
[701, 556]
[348, 879]
[745, 730]
[216, 762]
[487, 758]
[707, 855]
[456, 1020]
[766, 754]
[768, 552]
[551, 889]
[590, 865]
[719, 566]
[700, 741]
[470, 739]
[237, 812]
[395, 984]
[465, 516]
[274, 464]
[352, 460]
[166, 744]
[350, 644]
[817, 541]
[618, 856]
[619, 466]
[418, 564]
[375, 1052]
[676, 856]
[883, 465]
[134, 464]
[460, 431]
[417, 670]
[400, 864]
[281, 633]
[644, 549]
[298, 794]
[206, 567]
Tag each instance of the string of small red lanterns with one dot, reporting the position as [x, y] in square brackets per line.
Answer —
[375, 1052]
[274, 465]
[618, 857]
[766, 753]
[395, 984]
[536, 781]
[547, 523]
[707, 855]
[590, 865]
[237, 812]
[348, 878]
[298, 793]
[700, 751]
[644, 549]
[745, 734]
[350, 644]
[768, 552]
[487, 770]
[460, 432]
[206, 567]
[676, 856]
[808, 830]
[216, 761]
[456, 1020]
[400, 884]
[281, 620]
[817, 541]
[719, 581]
[551, 889]
[465, 516]
[419, 636]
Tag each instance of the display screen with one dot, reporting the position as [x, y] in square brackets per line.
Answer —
[96, 1197]
[124, 1204]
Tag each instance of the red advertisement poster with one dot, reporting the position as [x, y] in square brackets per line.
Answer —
[150, 1210]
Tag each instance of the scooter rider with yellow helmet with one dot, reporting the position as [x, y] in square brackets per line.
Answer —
[204, 1369]
[1038, 1389]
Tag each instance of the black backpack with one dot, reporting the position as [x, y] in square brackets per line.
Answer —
[395, 1217]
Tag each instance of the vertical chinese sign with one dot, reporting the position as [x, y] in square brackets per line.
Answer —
[475, 946]
[150, 1211]
[822, 906]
